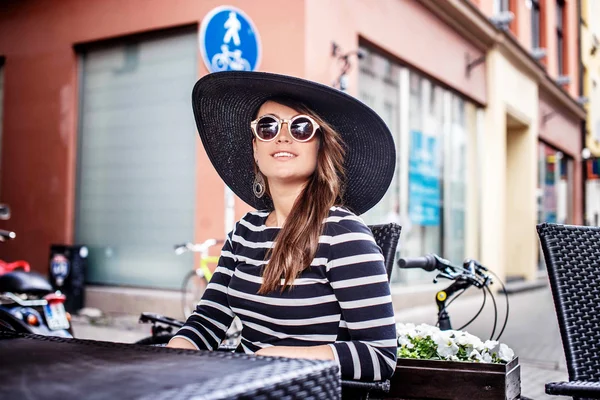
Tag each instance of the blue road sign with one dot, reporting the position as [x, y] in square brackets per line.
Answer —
[229, 41]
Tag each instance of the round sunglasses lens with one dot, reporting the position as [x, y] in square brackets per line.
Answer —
[302, 129]
[267, 128]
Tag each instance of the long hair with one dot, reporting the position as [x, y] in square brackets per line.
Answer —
[297, 242]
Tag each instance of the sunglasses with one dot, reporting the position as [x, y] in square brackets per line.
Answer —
[302, 128]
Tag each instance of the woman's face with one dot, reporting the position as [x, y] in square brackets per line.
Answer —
[283, 159]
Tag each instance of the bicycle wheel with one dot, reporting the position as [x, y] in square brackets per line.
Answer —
[193, 287]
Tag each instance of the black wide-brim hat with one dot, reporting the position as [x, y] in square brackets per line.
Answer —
[224, 103]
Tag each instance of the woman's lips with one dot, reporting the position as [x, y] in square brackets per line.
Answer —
[283, 155]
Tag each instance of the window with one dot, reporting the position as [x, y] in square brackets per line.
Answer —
[379, 89]
[555, 188]
[595, 117]
[505, 6]
[428, 194]
[555, 184]
[536, 25]
[560, 37]
[501, 6]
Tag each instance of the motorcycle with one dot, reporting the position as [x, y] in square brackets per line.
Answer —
[28, 303]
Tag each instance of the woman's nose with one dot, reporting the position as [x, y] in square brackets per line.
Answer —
[284, 135]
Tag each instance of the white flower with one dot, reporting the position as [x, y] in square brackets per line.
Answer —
[424, 328]
[448, 344]
[445, 344]
[490, 344]
[486, 357]
[475, 355]
[505, 353]
[405, 341]
[466, 339]
[405, 329]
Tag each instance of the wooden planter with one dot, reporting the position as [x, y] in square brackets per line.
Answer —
[452, 380]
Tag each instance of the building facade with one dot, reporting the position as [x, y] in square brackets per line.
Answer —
[590, 66]
[98, 143]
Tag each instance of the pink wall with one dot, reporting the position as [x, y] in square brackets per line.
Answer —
[40, 102]
[403, 29]
[561, 130]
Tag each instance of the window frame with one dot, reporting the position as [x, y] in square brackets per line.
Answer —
[536, 16]
[561, 43]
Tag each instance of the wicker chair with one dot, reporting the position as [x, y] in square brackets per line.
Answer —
[572, 255]
[386, 237]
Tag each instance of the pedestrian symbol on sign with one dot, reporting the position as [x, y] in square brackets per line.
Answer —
[233, 27]
[229, 41]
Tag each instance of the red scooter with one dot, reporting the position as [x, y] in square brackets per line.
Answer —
[28, 303]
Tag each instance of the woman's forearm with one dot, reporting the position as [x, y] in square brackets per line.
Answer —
[323, 352]
[180, 343]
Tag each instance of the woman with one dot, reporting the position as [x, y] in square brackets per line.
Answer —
[303, 273]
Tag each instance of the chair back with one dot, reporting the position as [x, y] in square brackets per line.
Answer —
[387, 237]
[572, 255]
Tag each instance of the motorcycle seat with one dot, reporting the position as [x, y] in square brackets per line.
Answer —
[25, 282]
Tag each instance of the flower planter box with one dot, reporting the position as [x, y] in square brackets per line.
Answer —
[451, 380]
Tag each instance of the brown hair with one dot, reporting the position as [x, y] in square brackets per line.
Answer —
[297, 242]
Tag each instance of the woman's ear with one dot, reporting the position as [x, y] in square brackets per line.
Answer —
[254, 150]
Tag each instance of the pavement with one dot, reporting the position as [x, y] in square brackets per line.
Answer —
[531, 331]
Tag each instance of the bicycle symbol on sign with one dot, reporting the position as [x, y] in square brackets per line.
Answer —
[232, 59]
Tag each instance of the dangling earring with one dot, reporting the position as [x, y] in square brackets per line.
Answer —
[259, 186]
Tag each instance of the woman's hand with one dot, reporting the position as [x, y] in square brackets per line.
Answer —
[323, 352]
[179, 343]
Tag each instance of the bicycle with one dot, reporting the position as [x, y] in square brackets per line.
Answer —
[194, 285]
[471, 273]
[196, 281]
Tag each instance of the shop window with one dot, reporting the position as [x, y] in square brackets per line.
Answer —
[555, 188]
[379, 88]
[429, 191]
[592, 192]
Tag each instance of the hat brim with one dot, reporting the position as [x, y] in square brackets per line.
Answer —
[224, 103]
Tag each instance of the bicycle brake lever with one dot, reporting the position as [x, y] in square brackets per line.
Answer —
[443, 275]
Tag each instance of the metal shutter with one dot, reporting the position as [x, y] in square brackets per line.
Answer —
[136, 160]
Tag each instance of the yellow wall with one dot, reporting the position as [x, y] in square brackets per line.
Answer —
[509, 143]
[590, 11]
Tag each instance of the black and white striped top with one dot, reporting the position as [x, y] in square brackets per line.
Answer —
[342, 300]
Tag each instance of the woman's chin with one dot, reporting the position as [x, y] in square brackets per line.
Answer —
[286, 178]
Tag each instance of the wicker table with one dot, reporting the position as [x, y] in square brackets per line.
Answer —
[33, 366]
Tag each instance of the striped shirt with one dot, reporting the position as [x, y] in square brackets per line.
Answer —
[342, 300]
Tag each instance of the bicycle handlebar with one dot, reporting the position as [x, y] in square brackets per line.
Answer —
[471, 273]
[471, 270]
[428, 263]
[197, 247]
